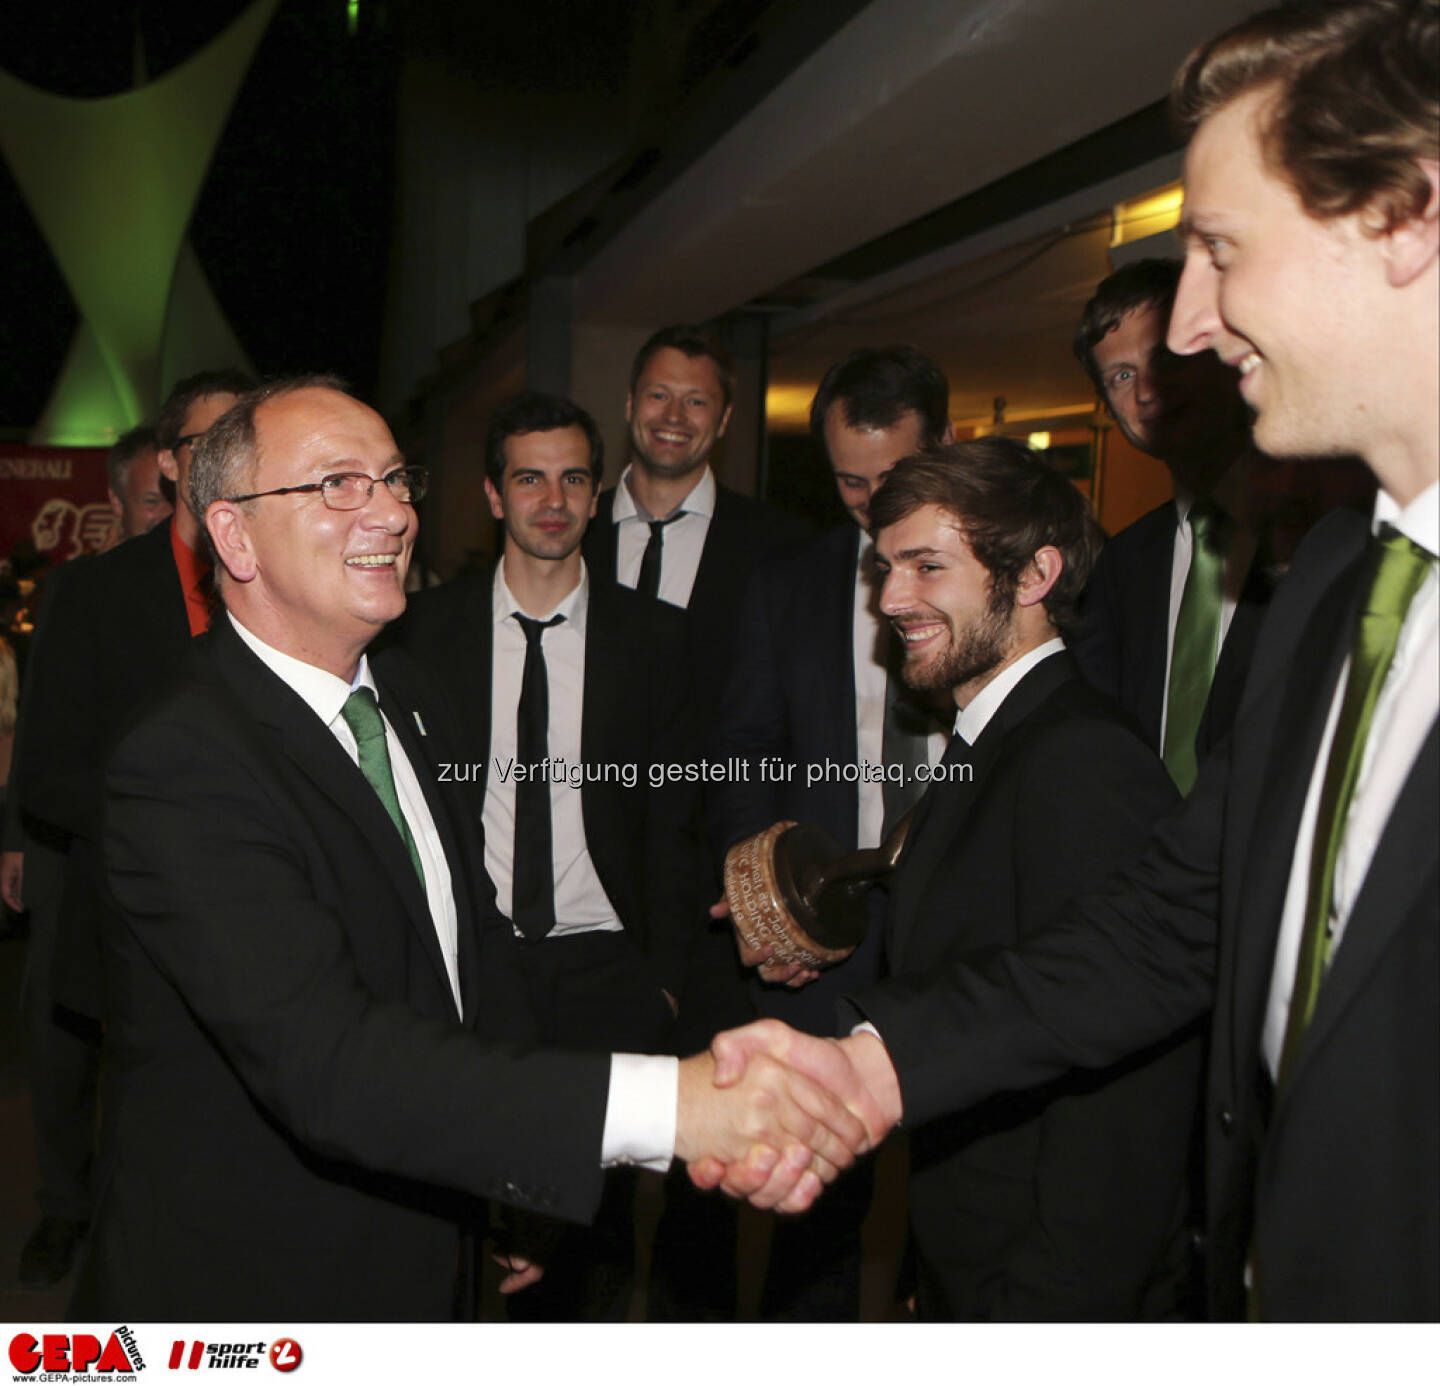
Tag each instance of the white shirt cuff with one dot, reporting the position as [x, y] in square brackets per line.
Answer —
[640, 1112]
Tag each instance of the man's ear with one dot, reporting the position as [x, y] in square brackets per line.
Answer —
[1410, 247]
[225, 522]
[724, 421]
[1040, 575]
[169, 467]
[117, 506]
[497, 506]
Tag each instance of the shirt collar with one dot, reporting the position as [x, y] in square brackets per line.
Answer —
[1228, 493]
[973, 719]
[572, 606]
[700, 501]
[322, 691]
[1419, 521]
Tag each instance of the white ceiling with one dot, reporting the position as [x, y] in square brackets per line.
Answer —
[912, 105]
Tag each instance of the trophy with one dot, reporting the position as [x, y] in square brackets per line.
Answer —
[796, 889]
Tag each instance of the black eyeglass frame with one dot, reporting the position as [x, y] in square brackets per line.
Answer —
[416, 480]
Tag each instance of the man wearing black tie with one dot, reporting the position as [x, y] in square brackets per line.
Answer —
[1066, 1202]
[1296, 892]
[315, 1053]
[596, 865]
[668, 528]
[816, 680]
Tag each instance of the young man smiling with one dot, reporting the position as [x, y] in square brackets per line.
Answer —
[1297, 892]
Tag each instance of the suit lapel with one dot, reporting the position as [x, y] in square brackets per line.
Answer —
[1152, 624]
[1404, 866]
[313, 750]
[600, 545]
[400, 706]
[714, 587]
[946, 806]
[1299, 726]
[161, 602]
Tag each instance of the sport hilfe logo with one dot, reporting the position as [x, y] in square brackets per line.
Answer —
[284, 1354]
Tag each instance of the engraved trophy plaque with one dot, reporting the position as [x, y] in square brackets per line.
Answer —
[794, 888]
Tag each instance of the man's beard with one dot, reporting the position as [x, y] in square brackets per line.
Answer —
[981, 646]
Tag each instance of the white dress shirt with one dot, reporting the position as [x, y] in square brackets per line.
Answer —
[1229, 495]
[581, 904]
[975, 716]
[325, 695]
[1405, 711]
[871, 634]
[683, 542]
[640, 1109]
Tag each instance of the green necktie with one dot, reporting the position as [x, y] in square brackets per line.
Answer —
[1399, 567]
[1197, 644]
[363, 718]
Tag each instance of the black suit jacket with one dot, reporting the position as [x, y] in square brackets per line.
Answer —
[114, 628]
[1123, 647]
[642, 840]
[292, 1090]
[1065, 1201]
[742, 531]
[1336, 1183]
[791, 694]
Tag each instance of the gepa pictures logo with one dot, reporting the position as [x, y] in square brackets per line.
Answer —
[75, 1356]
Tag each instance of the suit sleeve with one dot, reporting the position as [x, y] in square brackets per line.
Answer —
[61, 755]
[1097, 648]
[1121, 969]
[675, 873]
[216, 870]
[1110, 1173]
[752, 721]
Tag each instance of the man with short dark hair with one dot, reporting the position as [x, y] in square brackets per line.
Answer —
[1176, 599]
[1066, 1203]
[132, 472]
[314, 1067]
[113, 628]
[817, 681]
[1298, 891]
[668, 529]
[595, 863]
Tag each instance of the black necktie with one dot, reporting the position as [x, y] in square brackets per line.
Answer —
[648, 583]
[904, 741]
[532, 904]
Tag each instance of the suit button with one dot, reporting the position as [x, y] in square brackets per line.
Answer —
[1227, 1121]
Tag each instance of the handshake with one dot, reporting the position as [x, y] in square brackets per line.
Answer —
[773, 1115]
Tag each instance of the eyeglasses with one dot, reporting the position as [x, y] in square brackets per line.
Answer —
[186, 440]
[352, 490]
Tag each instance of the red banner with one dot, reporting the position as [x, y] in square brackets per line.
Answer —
[56, 498]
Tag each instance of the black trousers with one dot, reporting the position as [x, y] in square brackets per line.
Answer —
[591, 991]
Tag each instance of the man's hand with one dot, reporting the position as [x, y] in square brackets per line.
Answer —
[857, 1070]
[522, 1272]
[793, 975]
[12, 875]
[776, 1135]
